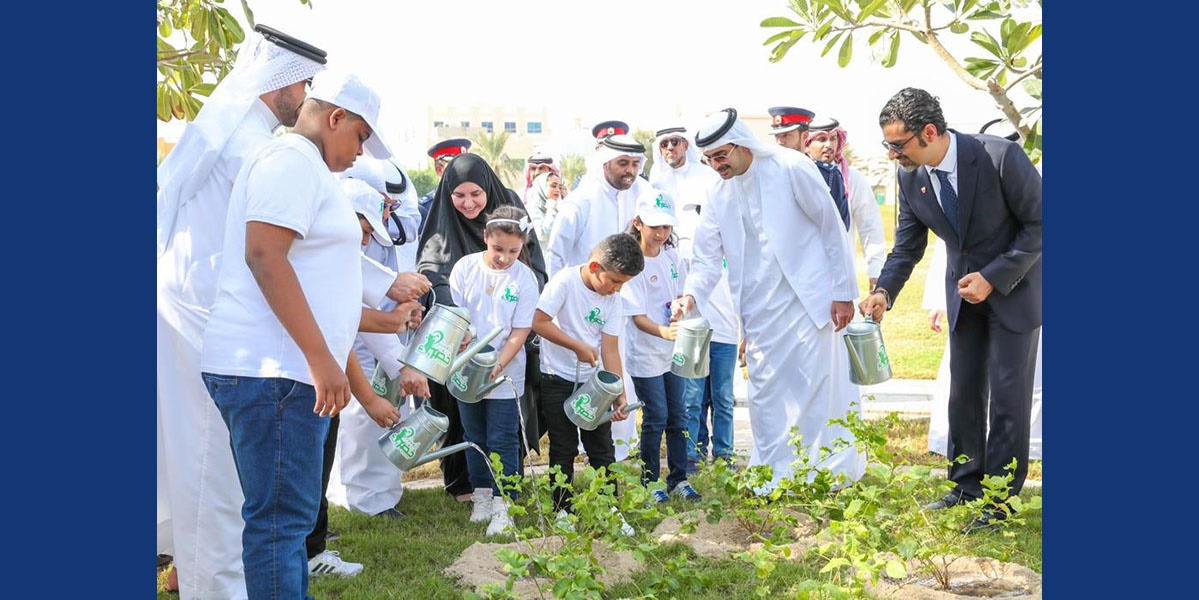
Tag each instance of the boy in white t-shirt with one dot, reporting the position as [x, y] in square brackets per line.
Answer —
[579, 319]
[277, 355]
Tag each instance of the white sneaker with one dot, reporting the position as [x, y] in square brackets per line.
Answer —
[625, 528]
[481, 512]
[330, 563]
[501, 522]
[562, 521]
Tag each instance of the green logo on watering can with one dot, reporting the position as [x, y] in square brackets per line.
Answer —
[458, 382]
[378, 384]
[510, 294]
[403, 443]
[583, 408]
[679, 359]
[434, 349]
[882, 358]
[594, 317]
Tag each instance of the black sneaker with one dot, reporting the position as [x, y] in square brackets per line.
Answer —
[332, 535]
[391, 513]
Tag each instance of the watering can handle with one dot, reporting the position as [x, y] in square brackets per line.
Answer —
[853, 356]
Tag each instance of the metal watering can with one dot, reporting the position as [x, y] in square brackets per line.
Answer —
[591, 405]
[385, 386]
[690, 356]
[472, 383]
[868, 360]
[410, 443]
[433, 350]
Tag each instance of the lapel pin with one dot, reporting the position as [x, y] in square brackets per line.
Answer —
[923, 190]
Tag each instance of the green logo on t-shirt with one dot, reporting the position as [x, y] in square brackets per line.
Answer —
[674, 273]
[594, 317]
[510, 294]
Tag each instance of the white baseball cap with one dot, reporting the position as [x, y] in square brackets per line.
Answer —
[655, 208]
[349, 92]
[368, 202]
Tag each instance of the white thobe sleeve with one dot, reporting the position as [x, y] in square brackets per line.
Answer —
[868, 220]
[386, 348]
[376, 280]
[707, 256]
[565, 235]
[811, 194]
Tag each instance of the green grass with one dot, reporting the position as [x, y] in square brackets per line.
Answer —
[406, 558]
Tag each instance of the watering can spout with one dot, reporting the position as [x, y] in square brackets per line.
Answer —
[469, 353]
[482, 393]
[443, 452]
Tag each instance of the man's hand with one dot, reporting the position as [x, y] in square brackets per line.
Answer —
[741, 353]
[934, 319]
[842, 313]
[332, 387]
[681, 306]
[873, 282]
[412, 383]
[874, 306]
[411, 312]
[409, 286]
[974, 288]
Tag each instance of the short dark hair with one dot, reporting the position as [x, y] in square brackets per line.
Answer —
[621, 253]
[915, 108]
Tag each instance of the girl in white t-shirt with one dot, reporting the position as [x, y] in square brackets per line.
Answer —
[647, 299]
[500, 290]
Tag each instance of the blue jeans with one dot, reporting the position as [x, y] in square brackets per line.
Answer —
[278, 446]
[718, 387]
[664, 411]
[493, 426]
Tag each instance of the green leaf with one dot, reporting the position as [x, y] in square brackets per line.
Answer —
[831, 43]
[892, 56]
[959, 27]
[846, 53]
[778, 22]
[853, 509]
[1032, 87]
[896, 570]
[835, 564]
[781, 50]
[823, 29]
[988, 43]
[980, 67]
[875, 36]
[870, 9]
[776, 37]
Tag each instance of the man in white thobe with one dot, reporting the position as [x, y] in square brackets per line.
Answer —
[792, 276]
[264, 90]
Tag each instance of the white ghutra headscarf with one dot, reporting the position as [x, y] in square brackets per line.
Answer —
[261, 67]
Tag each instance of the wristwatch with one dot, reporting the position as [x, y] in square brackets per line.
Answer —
[886, 295]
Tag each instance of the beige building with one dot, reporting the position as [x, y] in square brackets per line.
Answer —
[527, 127]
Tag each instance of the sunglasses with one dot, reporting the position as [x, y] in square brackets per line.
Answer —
[717, 159]
[675, 141]
[897, 147]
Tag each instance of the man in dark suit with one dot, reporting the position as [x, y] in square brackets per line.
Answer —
[982, 195]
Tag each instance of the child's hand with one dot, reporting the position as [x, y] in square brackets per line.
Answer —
[618, 408]
[384, 414]
[497, 370]
[669, 332]
[587, 354]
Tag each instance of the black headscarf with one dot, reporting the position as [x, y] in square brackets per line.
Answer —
[448, 235]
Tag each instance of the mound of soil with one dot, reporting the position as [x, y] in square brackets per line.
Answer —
[478, 566]
[728, 536]
[969, 577]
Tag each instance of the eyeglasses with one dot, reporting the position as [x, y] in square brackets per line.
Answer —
[898, 147]
[671, 142]
[720, 158]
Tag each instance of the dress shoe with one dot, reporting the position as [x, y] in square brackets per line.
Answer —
[990, 520]
[950, 499]
[391, 513]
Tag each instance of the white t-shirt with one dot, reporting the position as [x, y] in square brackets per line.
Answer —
[650, 293]
[286, 184]
[583, 315]
[503, 298]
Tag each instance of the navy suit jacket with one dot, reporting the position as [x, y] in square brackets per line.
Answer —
[999, 209]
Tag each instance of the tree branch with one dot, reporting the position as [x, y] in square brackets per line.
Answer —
[1034, 71]
[948, 58]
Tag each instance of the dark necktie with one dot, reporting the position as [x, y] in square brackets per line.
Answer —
[949, 199]
[836, 189]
